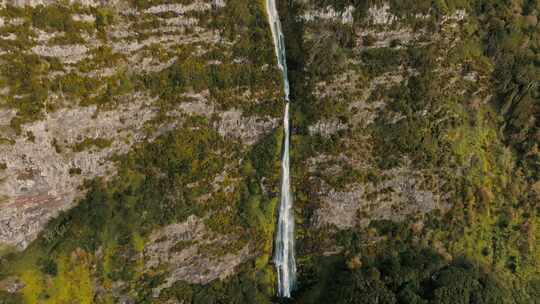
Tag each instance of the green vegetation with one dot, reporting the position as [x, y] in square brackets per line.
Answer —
[98, 143]
[75, 171]
[190, 170]
[480, 139]
[29, 87]
[246, 26]
[397, 273]
[512, 41]
[26, 74]
[149, 192]
[381, 60]
[72, 282]
[246, 287]
[30, 83]
[58, 18]
[452, 135]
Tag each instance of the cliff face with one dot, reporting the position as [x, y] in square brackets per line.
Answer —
[92, 93]
[401, 138]
[87, 63]
[369, 166]
[140, 144]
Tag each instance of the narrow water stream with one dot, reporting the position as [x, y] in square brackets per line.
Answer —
[284, 243]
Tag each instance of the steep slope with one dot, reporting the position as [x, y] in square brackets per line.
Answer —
[140, 147]
[141, 151]
[403, 140]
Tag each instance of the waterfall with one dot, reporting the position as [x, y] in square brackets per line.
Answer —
[284, 243]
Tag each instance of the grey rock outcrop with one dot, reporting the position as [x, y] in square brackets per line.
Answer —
[399, 195]
[33, 3]
[47, 163]
[191, 253]
[11, 284]
[39, 180]
[328, 13]
[348, 184]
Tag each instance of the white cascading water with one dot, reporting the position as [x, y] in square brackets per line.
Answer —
[284, 244]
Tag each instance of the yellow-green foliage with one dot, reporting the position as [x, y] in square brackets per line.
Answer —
[25, 76]
[138, 242]
[34, 286]
[476, 239]
[475, 146]
[58, 18]
[109, 250]
[495, 233]
[268, 227]
[102, 57]
[98, 143]
[5, 249]
[71, 284]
